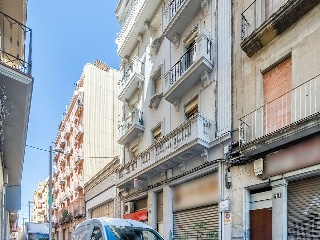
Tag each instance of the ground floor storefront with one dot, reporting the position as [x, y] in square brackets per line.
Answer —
[282, 199]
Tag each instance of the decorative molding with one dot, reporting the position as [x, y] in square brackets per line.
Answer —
[140, 85]
[147, 25]
[126, 59]
[205, 155]
[155, 101]
[176, 103]
[205, 6]
[205, 78]
[175, 39]
[155, 45]
[139, 137]
[140, 37]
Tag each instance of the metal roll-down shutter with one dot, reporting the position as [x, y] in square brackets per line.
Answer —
[304, 209]
[198, 223]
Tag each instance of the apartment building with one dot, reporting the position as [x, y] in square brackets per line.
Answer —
[84, 140]
[16, 84]
[40, 202]
[275, 181]
[175, 89]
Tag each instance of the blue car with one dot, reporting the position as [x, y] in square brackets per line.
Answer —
[114, 229]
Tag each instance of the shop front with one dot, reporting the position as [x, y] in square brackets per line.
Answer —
[298, 166]
[195, 209]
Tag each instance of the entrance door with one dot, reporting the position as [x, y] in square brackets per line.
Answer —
[261, 224]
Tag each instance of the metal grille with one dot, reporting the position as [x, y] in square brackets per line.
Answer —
[198, 223]
[304, 209]
[105, 210]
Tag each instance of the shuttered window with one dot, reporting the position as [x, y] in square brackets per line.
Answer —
[105, 210]
[277, 83]
[304, 209]
[160, 212]
[157, 133]
[192, 108]
[198, 223]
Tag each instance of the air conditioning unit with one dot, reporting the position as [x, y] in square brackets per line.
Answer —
[128, 207]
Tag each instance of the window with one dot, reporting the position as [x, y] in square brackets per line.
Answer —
[191, 109]
[134, 151]
[96, 234]
[277, 98]
[157, 133]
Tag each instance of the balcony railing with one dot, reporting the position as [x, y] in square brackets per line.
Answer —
[131, 127]
[264, 20]
[257, 13]
[198, 130]
[77, 185]
[131, 80]
[15, 44]
[295, 105]
[174, 7]
[191, 66]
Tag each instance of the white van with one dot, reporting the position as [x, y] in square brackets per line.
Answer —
[114, 229]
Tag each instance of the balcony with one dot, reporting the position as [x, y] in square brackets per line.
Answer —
[62, 142]
[140, 13]
[132, 80]
[79, 157]
[15, 50]
[78, 185]
[131, 127]
[194, 66]
[67, 171]
[62, 179]
[67, 130]
[68, 151]
[190, 139]
[79, 132]
[179, 14]
[264, 20]
[286, 119]
[62, 161]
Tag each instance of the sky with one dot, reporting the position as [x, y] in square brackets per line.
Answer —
[66, 35]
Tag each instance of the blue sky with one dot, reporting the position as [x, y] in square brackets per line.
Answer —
[66, 34]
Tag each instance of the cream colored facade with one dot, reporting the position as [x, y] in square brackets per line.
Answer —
[85, 137]
[40, 212]
[275, 95]
[175, 88]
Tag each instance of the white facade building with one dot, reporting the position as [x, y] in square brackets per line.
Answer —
[176, 115]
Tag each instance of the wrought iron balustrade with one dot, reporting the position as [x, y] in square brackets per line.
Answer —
[195, 52]
[295, 105]
[174, 7]
[257, 13]
[15, 44]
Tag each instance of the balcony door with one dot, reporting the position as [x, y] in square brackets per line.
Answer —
[277, 97]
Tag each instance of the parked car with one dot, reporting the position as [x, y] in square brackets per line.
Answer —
[114, 229]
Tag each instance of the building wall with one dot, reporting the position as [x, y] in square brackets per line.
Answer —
[100, 119]
[252, 89]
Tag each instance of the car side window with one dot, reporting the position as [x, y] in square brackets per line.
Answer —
[82, 233]
[96, 234]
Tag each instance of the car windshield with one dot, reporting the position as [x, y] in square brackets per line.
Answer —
[131, 233]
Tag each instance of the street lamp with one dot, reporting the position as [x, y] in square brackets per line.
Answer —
[51, 151]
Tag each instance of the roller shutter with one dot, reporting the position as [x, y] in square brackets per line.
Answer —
[304, 209]
[198, 223]
[105, 210]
